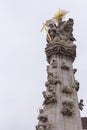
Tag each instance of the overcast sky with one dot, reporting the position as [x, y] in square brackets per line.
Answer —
[23, 61]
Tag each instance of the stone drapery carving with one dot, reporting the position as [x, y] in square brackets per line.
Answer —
[50, 97]
[53, 79]
[68, 107]
[81, 104]
[67, 89]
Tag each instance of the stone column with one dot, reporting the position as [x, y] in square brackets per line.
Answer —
[60, 106]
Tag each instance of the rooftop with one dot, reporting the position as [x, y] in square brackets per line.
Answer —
[84, 122]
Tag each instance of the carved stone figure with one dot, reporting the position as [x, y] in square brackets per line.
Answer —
[67, 90]
[61, 23]
[40, 127]
[48, 69]
[50, 97]
[42, 124]
[76, 85]
[50, 87]
[50, 77]
[81, 104]
[69, 29]
[50, 94]
[43, 121]
[61, 39]
[54, 63]
[62, 32]
[74, 71]
[51, 30]
[53, 79]
[42, 115]
[68, 108]
[64, 65]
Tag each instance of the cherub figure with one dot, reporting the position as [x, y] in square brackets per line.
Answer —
[81, 104]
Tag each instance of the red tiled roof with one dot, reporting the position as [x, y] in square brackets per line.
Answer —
[84, 122]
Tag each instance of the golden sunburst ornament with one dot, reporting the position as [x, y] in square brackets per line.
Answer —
[60, 14]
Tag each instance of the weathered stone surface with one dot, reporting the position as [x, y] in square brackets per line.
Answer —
[54, 63]
[60, 106]
[67, 90]
[61, 42]
[60, 49]
[64, 66]
[50, 87]
[53, 79]
[68, 107]
[50, 97]
[43, 121]
[61, 32]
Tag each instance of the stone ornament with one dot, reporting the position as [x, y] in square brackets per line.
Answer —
[74, 71]
[51, 31]
[68, 106]
[42, 125]
[49, 94]
[54, 63]
[60, 106]
[42, 115]
[53, 79]
[67, 90]
[81, 104]
[61, 49]
[43, 121]
[50, 87]
[50, 97]
[61, 32]
[48, 69]
[64, 66]
[76, 85]
[61, 39]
